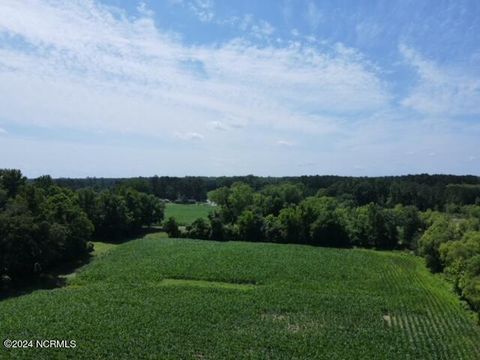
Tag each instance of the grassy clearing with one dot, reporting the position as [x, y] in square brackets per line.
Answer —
[101, 248]
[185, 214]
[157, 298]
[206, 284]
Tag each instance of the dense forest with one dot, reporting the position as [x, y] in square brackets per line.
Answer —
[45, 222]
[43, 225]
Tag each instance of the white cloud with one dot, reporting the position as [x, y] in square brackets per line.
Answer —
[218, 125]
[249, 25]
[92, 67]
[314, 15]
[83, 66]
[441, 90]
[262, 29]
[203, 9]
[190, 136]
[3, 131]
[286, 143]
[143, 9]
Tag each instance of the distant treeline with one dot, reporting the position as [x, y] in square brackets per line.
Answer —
[423, 191]
[43, 225]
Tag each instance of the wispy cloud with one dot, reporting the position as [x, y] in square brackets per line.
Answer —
[314, 15]
[81, 67]
[262, 28]
[130, 75]
[190, 136]
[286, 143]
[218, 125]
[441, 90]
[203, 9]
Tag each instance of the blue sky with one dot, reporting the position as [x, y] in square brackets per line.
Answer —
[217, 87]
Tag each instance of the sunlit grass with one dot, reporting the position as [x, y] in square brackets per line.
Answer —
[185, 214]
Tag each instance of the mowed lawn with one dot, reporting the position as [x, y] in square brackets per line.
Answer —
[185, 214]
[160, 298]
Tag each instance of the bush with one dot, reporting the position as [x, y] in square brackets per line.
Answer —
[171, 228]
[199, 229]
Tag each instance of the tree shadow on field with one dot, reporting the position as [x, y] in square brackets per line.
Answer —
[133, 236]
[57, 276]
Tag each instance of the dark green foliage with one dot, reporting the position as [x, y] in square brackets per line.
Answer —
[11, 180]
[273, 229]
[293, 228]
[461, 259]
[218, 231]
[328, 230]
[471, 282]
[422, 191]
[276, 197]
[70, 225]
[43, 225]
[3, 197]
[440, 231]
[170, 226]
[199, 229]
[250, 226]
[119, 214]
[280, 213]
[113, 220]
[409, 224]
[38, 231]
[24, 243]
[462, 194]
[44, 182]
[372, 226]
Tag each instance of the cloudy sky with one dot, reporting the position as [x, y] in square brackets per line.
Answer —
[221, 87]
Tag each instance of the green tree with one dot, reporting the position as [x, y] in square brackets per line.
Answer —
[250, 226]
[441, 231]
[293, 228]
[273, 229]
[62, 211]
[370, 226]
[217, 227]
[113, 220]
[12, 180]
[410, 225]
[170, 226]
[455, 254]
[199, 229]
[328, 230]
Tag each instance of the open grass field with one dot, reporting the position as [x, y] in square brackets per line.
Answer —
[185, 214]
[159, 298]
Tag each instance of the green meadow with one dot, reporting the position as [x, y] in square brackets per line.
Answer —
[185, 214]
[160, 298]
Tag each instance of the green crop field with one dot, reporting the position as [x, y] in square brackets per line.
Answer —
[160, 298]
[185, 214]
